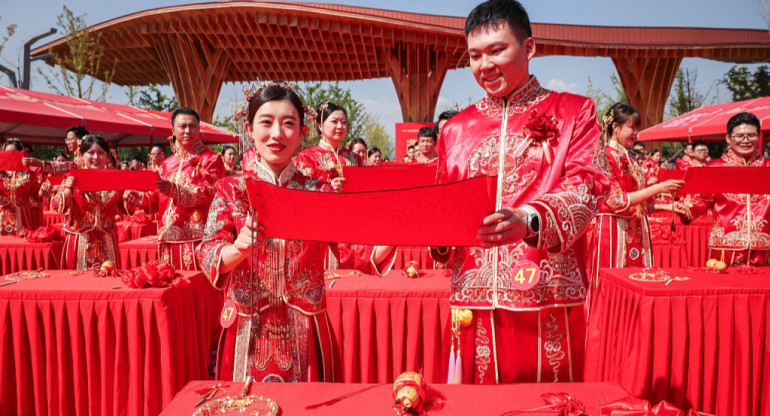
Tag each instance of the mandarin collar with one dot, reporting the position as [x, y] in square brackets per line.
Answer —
[267, 175]
[196, 149]
[521, 97]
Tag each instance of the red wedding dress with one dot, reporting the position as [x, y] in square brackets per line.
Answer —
[292, 339]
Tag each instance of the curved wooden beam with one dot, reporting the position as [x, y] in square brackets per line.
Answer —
[196, 69]
[417, 72]
[647, 82]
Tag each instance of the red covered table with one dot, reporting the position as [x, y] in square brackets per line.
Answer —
[53, 217]
[79, 344]
[129, 230]
[387, 325]
[334, 399]
[419, 254]
[19, 254]
[134, 253]
[702, 343]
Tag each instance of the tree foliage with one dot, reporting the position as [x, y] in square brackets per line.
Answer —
[315, 93]
[376, 135]
[604, 100]
[84, 56]
[743, 84]
[685, 97]
[9, 31]
[151, 98]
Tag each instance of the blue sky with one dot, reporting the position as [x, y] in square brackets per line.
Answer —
[379, 96]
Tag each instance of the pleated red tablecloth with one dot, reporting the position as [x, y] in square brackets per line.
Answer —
[134, 253]
[85, 345]
[19, 254]
[702, 343]
[334, 399]
[387, 325]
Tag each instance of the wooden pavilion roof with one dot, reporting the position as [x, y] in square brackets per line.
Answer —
[327, 42]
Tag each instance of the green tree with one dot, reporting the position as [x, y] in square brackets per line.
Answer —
[685, 96]
[375, 134]
[151, 98]
[603, 100]
[316, 93]
[744, 85]
[84, 56]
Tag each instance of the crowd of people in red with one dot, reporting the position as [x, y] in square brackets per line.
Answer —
[574, 195]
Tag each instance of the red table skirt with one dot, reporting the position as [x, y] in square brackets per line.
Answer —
[670, 254]
[18, 254]
[334, 399]
[84, 345]
[702, 343]
[128, 230]
[134, 253]
[419, 254]
[53, 217]
[387, 325]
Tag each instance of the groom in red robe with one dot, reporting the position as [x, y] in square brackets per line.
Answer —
[552, 177]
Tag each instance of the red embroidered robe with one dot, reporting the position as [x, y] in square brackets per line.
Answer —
[566, 188]
[89, 227]
[18, 200]
[324, 163]
[182, 213]
[290, 281]
[741, 231]
[651, 170]
[620, 237]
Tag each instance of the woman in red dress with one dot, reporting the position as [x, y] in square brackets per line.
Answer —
[620, 236]
[18, 195]
[90, 230]
[325, 161]
[281, 331]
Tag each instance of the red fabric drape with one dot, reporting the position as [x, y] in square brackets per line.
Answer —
[76, 345]
[436, 215]
[701, 343]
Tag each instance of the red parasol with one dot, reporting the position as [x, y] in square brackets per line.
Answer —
[708, 123]
[41, 118]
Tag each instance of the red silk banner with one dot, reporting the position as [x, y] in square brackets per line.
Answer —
[11, 161]
[726, 179]
[381, 178]
[440, 215]
[666, 174]
[91, 180]
[56, 179]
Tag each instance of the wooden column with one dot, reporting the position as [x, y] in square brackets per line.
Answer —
[417, 72]
[196, 69]
[647, 82]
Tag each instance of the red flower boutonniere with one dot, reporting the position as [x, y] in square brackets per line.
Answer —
[542, 129]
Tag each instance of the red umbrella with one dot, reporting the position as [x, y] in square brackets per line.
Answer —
[708, 123]
[41, 118]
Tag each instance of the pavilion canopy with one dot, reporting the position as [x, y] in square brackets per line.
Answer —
[41, 118]
[708, 123]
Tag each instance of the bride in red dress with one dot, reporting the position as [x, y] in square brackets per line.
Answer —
[620, 237]
[91, 233]
[325, 161]
[281, 331]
